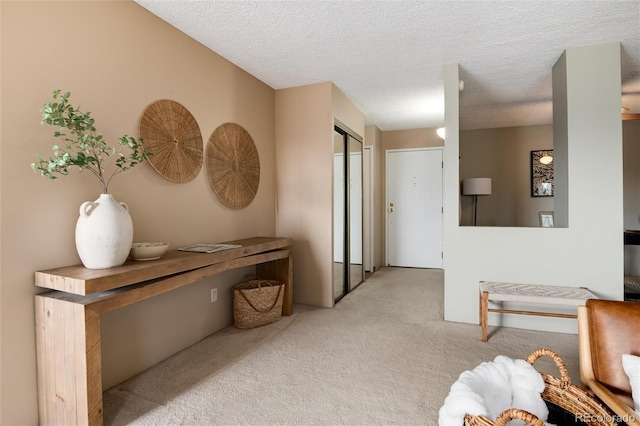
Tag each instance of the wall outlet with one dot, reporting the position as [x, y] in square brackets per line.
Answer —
[214, 294]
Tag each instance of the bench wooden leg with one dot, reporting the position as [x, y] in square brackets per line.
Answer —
[484, 314]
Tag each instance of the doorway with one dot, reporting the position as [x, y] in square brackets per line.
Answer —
[414, 207]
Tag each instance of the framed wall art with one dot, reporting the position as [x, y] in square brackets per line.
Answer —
[542, 173]
[546, 219]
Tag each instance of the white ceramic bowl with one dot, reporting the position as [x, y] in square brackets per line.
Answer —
[148, 251]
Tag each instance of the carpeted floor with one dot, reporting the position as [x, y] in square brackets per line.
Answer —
[382, 356]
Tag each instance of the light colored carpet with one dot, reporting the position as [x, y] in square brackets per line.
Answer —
[382, 356]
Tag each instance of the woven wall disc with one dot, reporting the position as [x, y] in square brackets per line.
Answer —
[233, 165]
[172, 136]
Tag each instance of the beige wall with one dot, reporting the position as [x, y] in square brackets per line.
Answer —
[631, 135]
[304, 136]
[411, 138]
[115, 58]
[373, 139]
[346, 112]
[504, 156]
[304, 143]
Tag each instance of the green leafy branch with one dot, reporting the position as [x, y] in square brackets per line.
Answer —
[81, 144]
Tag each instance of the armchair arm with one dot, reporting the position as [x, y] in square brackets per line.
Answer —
[626, 413]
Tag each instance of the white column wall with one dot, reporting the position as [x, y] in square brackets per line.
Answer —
[590, 251]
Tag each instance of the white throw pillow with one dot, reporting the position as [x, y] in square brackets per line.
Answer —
[631, 366]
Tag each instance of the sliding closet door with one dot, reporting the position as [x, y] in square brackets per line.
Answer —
[339, 216]
[356, 269]
[348, 271]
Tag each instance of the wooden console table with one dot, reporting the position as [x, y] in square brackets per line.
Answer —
[69, 359]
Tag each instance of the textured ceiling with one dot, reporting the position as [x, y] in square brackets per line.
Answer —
[388, 56]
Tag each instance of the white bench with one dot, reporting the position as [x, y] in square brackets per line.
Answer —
[528, 293]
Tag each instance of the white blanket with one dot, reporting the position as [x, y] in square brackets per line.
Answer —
[493, 387]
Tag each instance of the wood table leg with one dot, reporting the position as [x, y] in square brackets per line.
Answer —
[281, 270]
[484, 314]
[69, 363]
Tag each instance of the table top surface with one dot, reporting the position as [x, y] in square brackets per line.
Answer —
[77, 279]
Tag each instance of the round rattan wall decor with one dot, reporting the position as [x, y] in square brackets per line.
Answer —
[233, 165]
[171, 134]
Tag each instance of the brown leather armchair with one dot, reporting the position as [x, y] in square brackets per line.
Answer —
[606, 330]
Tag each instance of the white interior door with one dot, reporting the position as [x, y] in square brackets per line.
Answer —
[414, 208]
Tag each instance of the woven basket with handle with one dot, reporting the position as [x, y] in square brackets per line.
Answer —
[257, 302]
[558, 391]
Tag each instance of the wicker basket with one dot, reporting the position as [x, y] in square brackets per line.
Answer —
[257, 302]
[558, 392]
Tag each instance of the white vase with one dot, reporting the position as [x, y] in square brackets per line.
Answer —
[104, 233]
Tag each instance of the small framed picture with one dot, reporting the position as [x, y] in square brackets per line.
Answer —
[542, 173]
[546, 219]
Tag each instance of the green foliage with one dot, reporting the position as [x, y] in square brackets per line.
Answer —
[81, 145]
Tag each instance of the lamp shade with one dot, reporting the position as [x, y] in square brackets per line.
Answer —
[476, 186]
